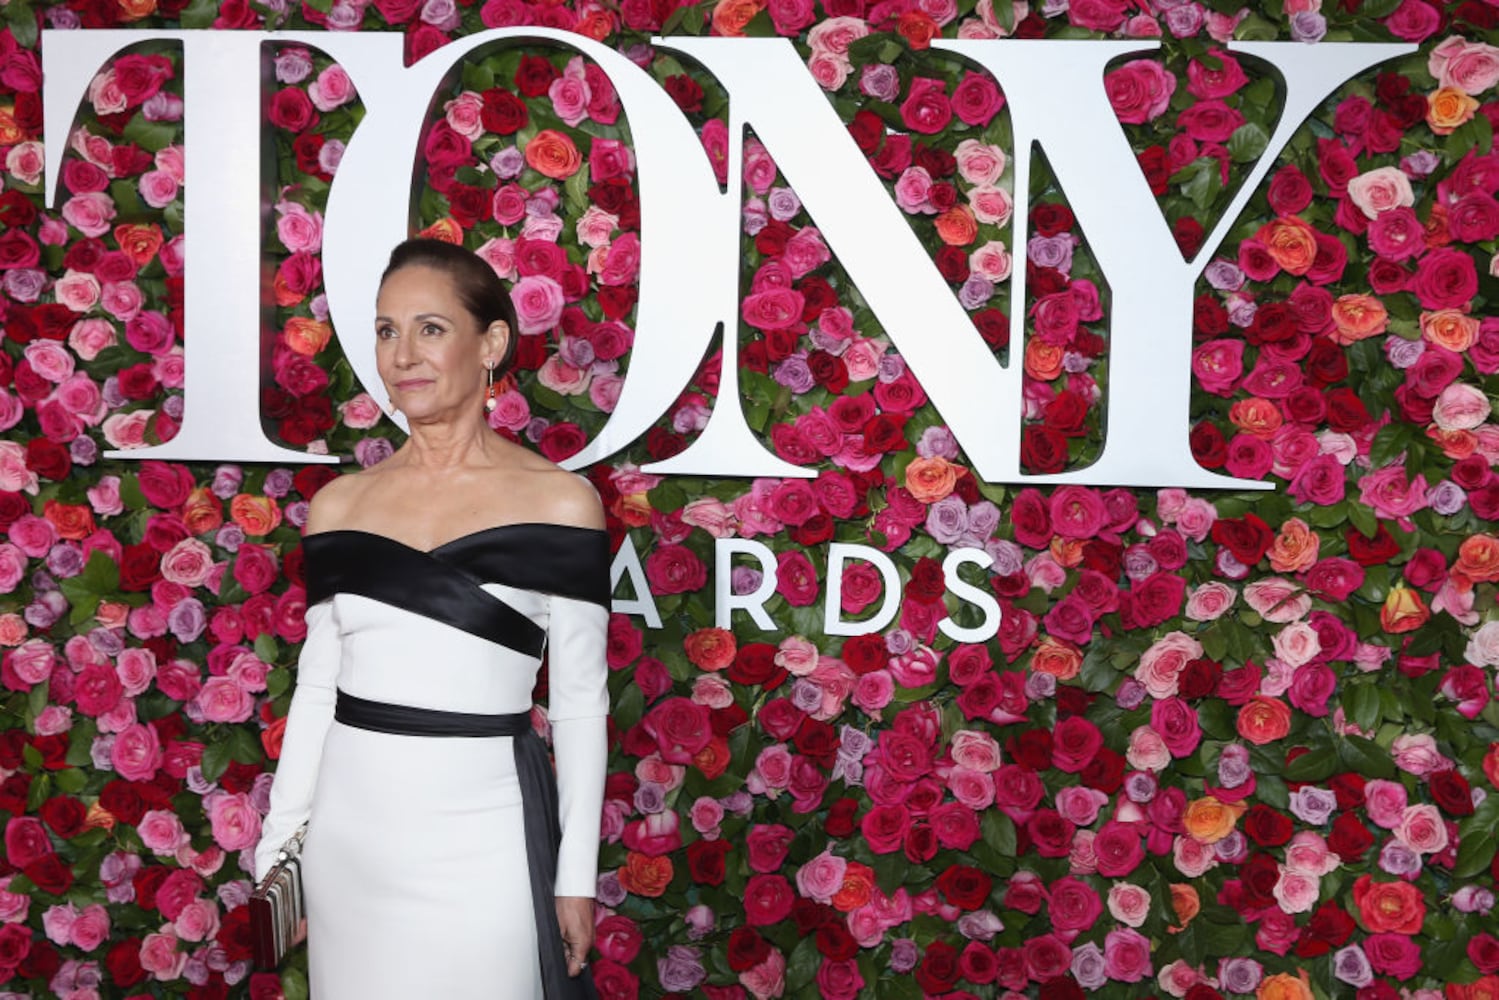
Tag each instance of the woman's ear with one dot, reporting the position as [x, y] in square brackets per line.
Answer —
[498, 339]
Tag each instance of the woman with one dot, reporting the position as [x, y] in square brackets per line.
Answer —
[435, 581]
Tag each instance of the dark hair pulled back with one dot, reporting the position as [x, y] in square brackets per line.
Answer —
[479, 289]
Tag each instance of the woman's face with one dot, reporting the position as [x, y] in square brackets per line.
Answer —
[429, 350]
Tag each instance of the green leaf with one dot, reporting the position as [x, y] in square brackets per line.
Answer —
[1312, 766]
[266, 649]
[215, 760]
[1248, 143]
[151, 136]
[22, 21]
[802, 965]
[293, 984]
[1362, 704]
[71, 780]
[999, 832]
[1365, 757]
[200, 14]
[244, 746]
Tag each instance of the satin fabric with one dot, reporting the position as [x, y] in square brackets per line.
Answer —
[538, 792]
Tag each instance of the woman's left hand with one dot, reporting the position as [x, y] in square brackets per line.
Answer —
[575, 917]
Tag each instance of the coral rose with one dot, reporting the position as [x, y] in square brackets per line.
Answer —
[1284, 986]
[643, 875]
[931, 479]
[710, 648]
[1263, 720]
[553, 155]
[1357, 317]
[1290, 242]
[1208, 820]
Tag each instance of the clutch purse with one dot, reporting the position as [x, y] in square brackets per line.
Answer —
[277, 921]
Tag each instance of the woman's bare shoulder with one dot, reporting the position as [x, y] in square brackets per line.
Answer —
[554, 494]
[333, 502]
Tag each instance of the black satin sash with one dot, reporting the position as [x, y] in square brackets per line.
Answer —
[538, 787]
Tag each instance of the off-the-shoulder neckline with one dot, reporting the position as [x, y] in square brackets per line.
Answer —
[453, 542]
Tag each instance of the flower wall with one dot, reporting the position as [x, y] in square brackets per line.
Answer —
[1223, 745]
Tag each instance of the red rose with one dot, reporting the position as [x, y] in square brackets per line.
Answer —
[1247, 538]
[686, 92]
[705, 861]
[1450, 791]
[754, 663]
[124, 963]
[50, 875]
[292, 110]
[1105, 771]
[1374, 551]
[502, 112]
[48, 459]
[767, 899]
[1043, 451]
[1075, 741]
[841, 817]
[680, 728]
[1157, 173]
[1329, 928]
[64, 814]
[1267, 827]
[965, 887]
[1258, 876]
[13, 792]
[938, 971]
[1349, 839]
[534, 76]
[746, 950]
[15, 945]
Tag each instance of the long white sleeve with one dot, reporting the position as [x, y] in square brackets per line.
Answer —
[307, 725]
[578, 710]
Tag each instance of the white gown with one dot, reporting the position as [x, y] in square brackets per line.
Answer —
[415, 862]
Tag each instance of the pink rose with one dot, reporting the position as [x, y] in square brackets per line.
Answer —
[976, 99]
[90, 213]
[13, 565]
[1422, 829]
[1129, 903]
[1390, 494]
[538, 303]
[77, 290]
[158, 188]
[1380, 190]
[159, 956]
[1308, 854]
[91, 928]
[1126, 955]
[1295, 892]
[1163, 662]
[136, 754]
[332, 89]
[1210, 601]
[1118, 849]
[975, 750]
[1079, 805]
[162, 832]
[300, 230]
[1176, 722]
[235, 822]
[90, 336]
[1074, 905]
[222, 700]
[980, 163]
[1461, 407]
[821, 878]
[199, 920]
[1139, 91]
[1147, 751]
[1389, 953]
[187, 563]
[1471, 67]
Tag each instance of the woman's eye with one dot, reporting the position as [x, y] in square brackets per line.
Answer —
[384, 333]
[432, 329]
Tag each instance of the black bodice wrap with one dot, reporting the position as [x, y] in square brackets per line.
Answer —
[445, 585]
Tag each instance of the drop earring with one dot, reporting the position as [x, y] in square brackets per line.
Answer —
[491, 400]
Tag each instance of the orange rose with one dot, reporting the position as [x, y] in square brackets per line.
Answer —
[1449, 328]
[713, 759]
[138, 241]
[1290, 242]
[931, 479]
[1068, 552]
[858, 884]
[1448, 110]
[643, 875]
[112, 614]
[444, 229]
[553, 155]
[203, 511]
[1295, 548]
[13, 629]
[1263, 720]
[634, 509]
[1435, 231]
[1477, 559]
[11, 134]
[255, 514]
[1484, 988]
[1185, 902]
[1357, 317]
[1256, 416]
[1043, 361]
[98, 818]
[956, 226]
[306, 335]
[1284, 986]
[731, 16]
[1456, 445]
[1491, 764]
[73, 521]
[134, 10]
[597, 24]
[710, 648]
[1208, 820]
[1057, 657]
[1403, 611]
